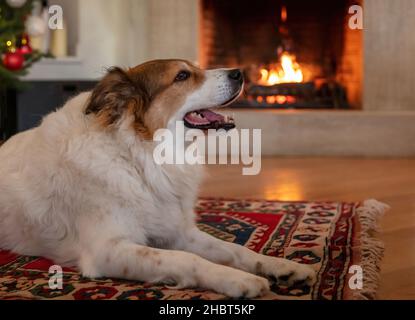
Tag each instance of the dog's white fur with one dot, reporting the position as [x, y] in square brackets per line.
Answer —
[83, 196]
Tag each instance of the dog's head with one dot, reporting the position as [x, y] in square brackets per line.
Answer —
[158, 93]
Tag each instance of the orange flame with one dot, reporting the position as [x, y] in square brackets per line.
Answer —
[289, 71]
[284, 14]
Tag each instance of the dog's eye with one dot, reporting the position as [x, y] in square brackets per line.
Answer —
[182, 76]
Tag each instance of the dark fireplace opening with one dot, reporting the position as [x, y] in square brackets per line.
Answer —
[295, 54]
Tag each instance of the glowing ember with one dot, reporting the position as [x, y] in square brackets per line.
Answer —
[289, 71]
[276, 99]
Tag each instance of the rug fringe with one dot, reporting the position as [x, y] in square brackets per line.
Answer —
[372, 248]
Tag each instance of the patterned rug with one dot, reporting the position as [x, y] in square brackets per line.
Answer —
[336, 239]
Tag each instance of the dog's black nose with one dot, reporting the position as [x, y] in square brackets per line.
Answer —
[236, 75]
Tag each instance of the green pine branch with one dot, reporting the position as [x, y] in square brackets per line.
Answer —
[12, 26]
[11, 78]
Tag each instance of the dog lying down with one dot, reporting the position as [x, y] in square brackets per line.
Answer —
[83, 189]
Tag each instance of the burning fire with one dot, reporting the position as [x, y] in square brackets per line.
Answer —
[289, 71]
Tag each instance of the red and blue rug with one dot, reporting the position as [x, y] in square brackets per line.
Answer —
[336, 239]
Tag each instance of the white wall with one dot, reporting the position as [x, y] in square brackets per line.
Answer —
[123, 33]
[173, 29]
[389, 55]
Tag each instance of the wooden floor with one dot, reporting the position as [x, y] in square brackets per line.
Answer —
[346, 179]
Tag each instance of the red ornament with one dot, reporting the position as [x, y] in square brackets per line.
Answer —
[13, 61]
[24, 49]
[24, 45]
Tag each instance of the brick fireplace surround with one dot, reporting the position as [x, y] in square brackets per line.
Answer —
[317, 32]
[383, 126]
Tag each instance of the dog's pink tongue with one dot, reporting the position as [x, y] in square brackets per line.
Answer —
[212, 116]
[193, 119]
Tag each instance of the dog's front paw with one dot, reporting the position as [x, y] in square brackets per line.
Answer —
[239, 284]
[249, 286]
[286, 272]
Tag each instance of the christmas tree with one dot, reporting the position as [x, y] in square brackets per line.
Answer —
[15, 51]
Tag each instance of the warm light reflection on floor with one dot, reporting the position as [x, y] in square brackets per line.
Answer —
[285, 188]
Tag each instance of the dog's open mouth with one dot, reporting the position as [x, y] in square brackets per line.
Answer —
[206, 119]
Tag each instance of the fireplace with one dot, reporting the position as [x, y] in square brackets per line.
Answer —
[295, 54]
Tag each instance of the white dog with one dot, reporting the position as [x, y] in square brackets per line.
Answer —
[83, 188]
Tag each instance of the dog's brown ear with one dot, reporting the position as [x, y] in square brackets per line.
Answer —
[113, 95]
